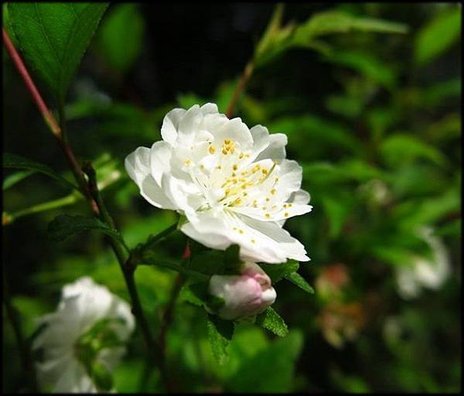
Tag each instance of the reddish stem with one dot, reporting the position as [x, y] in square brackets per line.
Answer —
[46, 113]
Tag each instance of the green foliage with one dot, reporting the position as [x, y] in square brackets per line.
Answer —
[53, 38]
[120, 37]
[401, 148]
[376, 128]
[278, 38]
[232, 262]
[364, 63]
[277, 272]
[220, 333]
[19, 162]
[14, 178]
[438, 35]
[271, 320]
[271, 369]
[102, 376]
[299, 281]
[65, 226]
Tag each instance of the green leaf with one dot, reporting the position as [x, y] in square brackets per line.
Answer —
[278, 271]
[299, 281]
[220, 334]
[412, 213]
[101, 376]
[337, 208]
[208, 262]
[328, 134]
[401, 148]
[331, 22]
[195, 293]
[326, 173]
[271, 370]
[64, 226]
[120, 37]
[278, 38]
[53, 38]
[271, 320]
[18, 162]
[14, 178]
[438, 35]
[367, 65]
[148, 258]
[232, 262]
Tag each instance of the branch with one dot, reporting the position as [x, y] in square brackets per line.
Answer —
[46, 113]
[92, 195]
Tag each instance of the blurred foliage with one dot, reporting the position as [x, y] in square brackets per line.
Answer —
[369, 98]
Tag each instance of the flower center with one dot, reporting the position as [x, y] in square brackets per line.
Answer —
[239, 181]
[228, 179]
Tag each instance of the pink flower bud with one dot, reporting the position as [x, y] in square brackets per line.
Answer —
[244, 295]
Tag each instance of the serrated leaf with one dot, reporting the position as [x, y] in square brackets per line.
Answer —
[64, 226]
[299, 281]
[18, 162]
[53, 38]
[438, 35]
[278, 271]
[272, 321]
[120, 37]
[220, 334]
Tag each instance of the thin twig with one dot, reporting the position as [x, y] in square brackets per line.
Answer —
[244, 78]
[94, 200]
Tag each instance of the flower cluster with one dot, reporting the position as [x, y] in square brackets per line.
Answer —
[83, 340]
[233, 184]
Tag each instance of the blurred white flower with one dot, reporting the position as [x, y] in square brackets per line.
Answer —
[83, 306]
[376, 191]
[244, 295]
[424, 272]
[233, 184]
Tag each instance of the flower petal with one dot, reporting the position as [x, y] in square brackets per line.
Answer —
[170, 125]
[276, 148]
[160, 157]
[259, 241]
[277, 240]
[208, 230]
[137, 164]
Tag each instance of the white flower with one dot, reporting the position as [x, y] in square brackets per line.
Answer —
[244, 295]
[83, 304]
[423, 272]
[233, 184]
